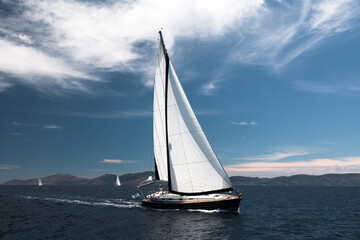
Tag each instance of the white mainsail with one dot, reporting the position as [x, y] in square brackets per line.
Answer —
[39, 182]
[194, 167]
[117, 183]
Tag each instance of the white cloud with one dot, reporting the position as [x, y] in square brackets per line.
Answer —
[15, 134]
[4, 85]
[25, 38]
[116, 36]
[314, 167]
[97, 115]
[23, 124]
[327, 87]
[7, 167]
[105, 34]
[52, 127]
[57, 44]
[245, 123]
[35, 68]
[209, 88]
[116, 161]
[49, 126]
[23, 60]
[280, 35]
[280, 153]
[275, 156]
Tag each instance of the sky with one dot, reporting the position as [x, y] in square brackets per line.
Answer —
[275, 84]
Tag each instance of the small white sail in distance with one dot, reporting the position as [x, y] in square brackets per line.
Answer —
[117, 183]
[39, 183]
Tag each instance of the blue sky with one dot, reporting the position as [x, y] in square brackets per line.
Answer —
[275, 84]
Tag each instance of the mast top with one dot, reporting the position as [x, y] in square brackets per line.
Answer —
[162, 43]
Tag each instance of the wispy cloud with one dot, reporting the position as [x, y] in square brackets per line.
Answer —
[327, 87]
[209, 88]
[276, 156]
[56, 46]
[313, 166]
[279, 153]
[59, 43]
[23, 124]
[15, 134]
[116, 161]
[281, 34]
[245, 123]
[97, 115]
[4, 85]
[49, 126]
[7, 167]
[209, 112]
[52, 127]
[35, 68]
[109, 33]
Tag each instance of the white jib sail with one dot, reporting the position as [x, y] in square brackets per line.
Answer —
[159, 131]
[117, 183]
[39, 182]
[194, 166]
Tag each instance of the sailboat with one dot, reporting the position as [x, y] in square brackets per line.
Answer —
[39, 183]
[117, 183]
[183, 156]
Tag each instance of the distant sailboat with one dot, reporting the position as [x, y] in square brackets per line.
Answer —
[39, 183]
[117, 183]
[184, 158]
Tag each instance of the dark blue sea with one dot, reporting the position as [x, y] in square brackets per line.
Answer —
[106, 212]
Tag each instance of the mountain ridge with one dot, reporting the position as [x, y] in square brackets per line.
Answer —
[68, 179]
[348, 179]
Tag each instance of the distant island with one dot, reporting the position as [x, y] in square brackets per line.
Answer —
[349, 179]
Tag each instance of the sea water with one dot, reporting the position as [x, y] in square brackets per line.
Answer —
[109, 212]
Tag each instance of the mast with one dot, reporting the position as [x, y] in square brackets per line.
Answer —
[166, 114]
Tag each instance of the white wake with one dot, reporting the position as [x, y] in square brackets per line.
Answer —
[117, 203]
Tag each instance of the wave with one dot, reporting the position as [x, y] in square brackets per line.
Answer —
[200, 210]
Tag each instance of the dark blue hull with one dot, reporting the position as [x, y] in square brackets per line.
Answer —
[208, 205]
